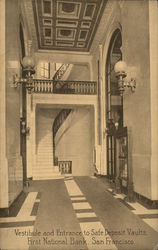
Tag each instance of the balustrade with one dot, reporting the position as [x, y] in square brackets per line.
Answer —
[65, 167]
[42, 86]
[56, 125]
[64, 87]
[60, 119]
[75, 87]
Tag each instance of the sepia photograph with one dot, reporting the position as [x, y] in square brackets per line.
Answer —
[79, 125]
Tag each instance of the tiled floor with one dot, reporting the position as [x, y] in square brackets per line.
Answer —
[13, 229]
[150, 216]
[87, 218]
[78, 213]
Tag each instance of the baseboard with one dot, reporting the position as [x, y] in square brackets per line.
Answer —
[14, 207]
[146, 202]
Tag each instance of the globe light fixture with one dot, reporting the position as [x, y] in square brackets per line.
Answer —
[120, 69]
[28, 65]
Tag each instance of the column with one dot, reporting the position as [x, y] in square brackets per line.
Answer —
[153, 29]
[29, 136]
[3, 160]
[102, 113]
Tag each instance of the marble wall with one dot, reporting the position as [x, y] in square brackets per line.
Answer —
[13, 53]
[132, 17]
[79, 72]
[137, 109]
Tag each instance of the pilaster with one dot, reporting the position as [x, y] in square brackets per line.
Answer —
[3, 159]
[153, 34]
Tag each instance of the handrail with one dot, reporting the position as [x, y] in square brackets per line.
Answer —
[43, 86]
[65, 167]
[61, 117]
[75, 87]
[64, 87]
[60, 72]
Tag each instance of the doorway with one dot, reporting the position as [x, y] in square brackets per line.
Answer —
[114, 102]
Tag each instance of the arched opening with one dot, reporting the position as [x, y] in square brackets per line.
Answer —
[114, 102]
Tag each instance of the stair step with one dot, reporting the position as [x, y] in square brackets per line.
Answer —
[45, 149]
[45, 167]
[44, 158]
[45, 153]
[48, 154]
[46, 163]
[39, 172]
[45, 142]
[43, 170]
[48, 177]
[46, 173]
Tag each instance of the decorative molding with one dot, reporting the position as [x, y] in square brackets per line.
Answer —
[28, 22]
[109, 15]
[146, 202]
[66, 25]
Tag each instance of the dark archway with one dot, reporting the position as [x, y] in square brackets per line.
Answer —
[114, 102]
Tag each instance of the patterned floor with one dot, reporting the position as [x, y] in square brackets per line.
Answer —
[89, 223]
[81, 206]
[14, 231]
[150, 216]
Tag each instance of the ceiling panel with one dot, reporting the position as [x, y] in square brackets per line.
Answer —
[67, 24]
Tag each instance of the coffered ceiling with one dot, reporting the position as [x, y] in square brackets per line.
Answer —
[67, 24]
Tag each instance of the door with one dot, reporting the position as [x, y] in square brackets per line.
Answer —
[111, 159]
[121, 141]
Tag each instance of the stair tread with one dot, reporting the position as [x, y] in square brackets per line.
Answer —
[46, 175]
[48, 178]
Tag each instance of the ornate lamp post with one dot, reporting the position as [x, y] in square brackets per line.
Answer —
[27, 83]
[28, 65]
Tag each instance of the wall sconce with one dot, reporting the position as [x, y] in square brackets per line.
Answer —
[24, 130]
[120, 69]
[28, 69]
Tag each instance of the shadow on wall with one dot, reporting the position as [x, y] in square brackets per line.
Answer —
[79, 73]
[75, 141]
[44, 120]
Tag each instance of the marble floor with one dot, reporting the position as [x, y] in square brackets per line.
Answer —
[14, 230]
[78, 213]
[150, 216]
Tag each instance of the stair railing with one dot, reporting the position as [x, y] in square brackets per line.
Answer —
[59, 120]
[43, 86]
[75, 87]
[65, 167]
[64, 87]
[60, 72]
